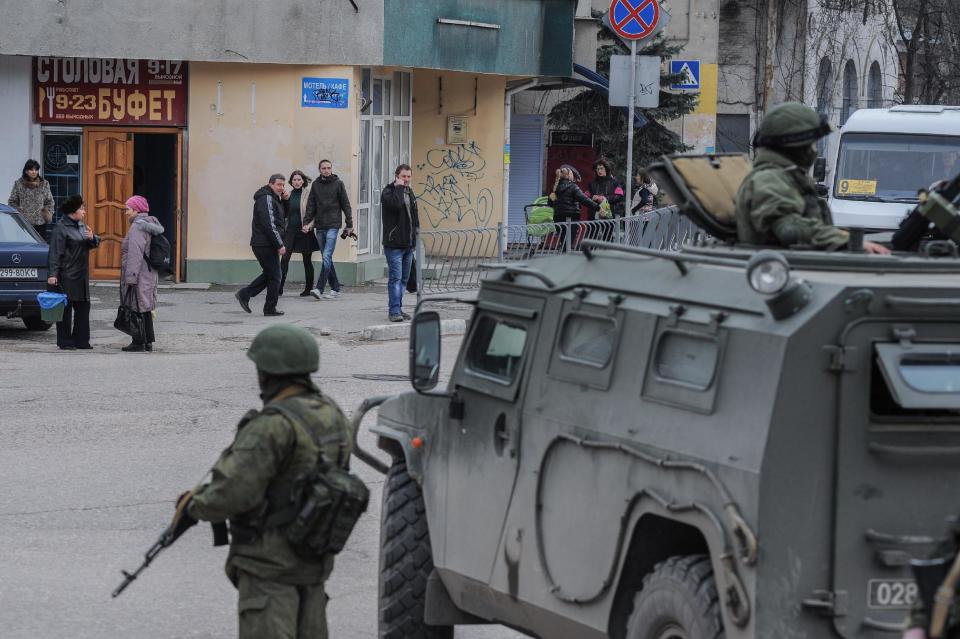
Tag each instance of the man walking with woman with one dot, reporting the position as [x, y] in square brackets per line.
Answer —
[327, 207]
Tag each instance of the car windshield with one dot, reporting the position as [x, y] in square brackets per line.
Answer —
[13, 230]
[892, 167]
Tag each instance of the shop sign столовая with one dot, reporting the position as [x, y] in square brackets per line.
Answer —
[110, 91]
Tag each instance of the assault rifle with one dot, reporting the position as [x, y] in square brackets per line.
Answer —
[165, 540]
[180, 524]
[940, 206]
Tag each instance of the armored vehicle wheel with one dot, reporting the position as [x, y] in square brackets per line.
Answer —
[678, 601]
[35, 323]
[406, 560]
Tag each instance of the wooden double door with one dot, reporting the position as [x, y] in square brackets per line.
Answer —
[109, 180]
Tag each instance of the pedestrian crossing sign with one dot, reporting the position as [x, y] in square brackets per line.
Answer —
[689, 72]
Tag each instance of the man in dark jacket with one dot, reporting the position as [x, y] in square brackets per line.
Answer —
[266, 239]
[400, 224]
[327, 200]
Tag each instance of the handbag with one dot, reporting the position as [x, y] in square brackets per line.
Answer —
[129, 320]
[411, 283]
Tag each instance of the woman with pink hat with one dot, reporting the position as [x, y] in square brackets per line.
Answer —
[138, 280]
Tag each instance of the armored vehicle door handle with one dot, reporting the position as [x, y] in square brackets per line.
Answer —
[501, 434]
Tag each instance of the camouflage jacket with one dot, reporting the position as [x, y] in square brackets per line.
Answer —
[777, 205]
[268, 453]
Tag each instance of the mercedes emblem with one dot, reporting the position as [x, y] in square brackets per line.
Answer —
[15, 258]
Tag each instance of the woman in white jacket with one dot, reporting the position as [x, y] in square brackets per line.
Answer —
[645, 194]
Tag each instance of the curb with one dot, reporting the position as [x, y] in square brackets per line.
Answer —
[386, 332]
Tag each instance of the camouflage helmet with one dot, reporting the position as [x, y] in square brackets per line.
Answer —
[791, 124]
[283, 349]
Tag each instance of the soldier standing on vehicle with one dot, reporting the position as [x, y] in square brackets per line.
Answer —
[280, 588]
[777, 204]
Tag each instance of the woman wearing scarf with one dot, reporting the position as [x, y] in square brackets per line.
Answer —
[138, 280]
[31, 196]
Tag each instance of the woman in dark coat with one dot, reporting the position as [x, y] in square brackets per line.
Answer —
[606, 187]
[295, 239]
[67, 269]
[567, 198]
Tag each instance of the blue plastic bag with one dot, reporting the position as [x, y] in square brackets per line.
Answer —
[51, 300]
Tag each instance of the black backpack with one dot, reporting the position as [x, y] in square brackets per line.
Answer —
[159, 254]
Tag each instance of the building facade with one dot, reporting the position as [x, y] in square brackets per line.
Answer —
[195, 105]
[836, 60]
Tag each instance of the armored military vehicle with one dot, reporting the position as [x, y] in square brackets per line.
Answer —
[716, 442]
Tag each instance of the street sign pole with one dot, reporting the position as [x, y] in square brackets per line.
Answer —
[630, 108]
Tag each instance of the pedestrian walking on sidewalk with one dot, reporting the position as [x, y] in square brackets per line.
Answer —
[31, 196]
[138, 280]
[266, 240]
[296, 239]
[68, 272]
[327, 207]
[400, 223]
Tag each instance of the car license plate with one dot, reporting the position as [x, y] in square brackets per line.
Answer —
[18, 273]
[892, 594]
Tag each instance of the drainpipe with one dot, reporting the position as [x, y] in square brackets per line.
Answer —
[507, 117]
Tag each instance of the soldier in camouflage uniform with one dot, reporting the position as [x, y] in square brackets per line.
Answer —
[777, 204]
[281, 593]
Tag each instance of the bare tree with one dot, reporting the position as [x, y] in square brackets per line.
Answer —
[927, 34]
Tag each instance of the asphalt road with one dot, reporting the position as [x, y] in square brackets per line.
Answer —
[96, 445]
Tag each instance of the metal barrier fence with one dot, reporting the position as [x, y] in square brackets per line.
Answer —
[449, 261]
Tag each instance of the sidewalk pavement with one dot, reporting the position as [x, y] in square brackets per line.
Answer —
[206, 318]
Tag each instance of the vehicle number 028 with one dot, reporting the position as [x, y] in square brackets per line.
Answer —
[892, 593]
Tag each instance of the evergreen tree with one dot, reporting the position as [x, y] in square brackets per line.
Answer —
[590, 112]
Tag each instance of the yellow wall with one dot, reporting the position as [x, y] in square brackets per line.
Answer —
[458, 186]
[233, 154]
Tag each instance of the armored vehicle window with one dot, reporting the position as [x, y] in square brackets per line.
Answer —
[932, 374]
[687, 359]
[588, 339]
[684, 365]
[916, 377]
[496, 349]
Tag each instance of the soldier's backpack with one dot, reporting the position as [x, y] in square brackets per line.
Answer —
[323, 505]
[159, 254]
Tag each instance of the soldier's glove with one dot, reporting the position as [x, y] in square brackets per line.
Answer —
[182, 521]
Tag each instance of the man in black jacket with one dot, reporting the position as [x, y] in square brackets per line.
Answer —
[266, 239]
[327, 199]
[400, 223]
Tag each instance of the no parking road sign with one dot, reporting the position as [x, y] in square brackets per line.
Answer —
[634, 20]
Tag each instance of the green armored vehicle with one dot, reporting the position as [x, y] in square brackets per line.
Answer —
[718, 442]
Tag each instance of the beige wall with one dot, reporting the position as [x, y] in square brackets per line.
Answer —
[458, 186]
[232, 153]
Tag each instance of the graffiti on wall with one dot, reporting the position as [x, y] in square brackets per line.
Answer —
[448, 192]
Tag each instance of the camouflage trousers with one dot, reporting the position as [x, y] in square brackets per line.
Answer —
[270, 610]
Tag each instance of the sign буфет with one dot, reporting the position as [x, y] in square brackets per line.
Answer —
[110, 91]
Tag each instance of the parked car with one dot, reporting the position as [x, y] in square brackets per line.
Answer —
[23, 269]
